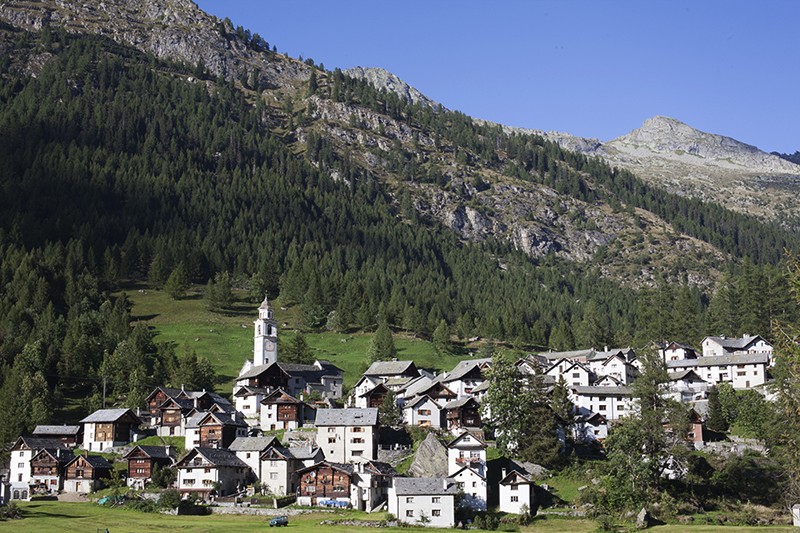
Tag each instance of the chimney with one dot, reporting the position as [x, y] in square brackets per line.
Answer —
[605, 348]
[444, 483]
[503, 473]
[170, 451]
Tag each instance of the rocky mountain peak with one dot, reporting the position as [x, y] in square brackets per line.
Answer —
[383, 79]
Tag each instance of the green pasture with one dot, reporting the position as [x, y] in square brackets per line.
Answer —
[226, 339]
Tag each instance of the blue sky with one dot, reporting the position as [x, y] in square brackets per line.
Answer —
[594, 69]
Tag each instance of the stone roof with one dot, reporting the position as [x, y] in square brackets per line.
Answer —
[603, 391]
[107, 415]
[379, 467]
[217, 457]
[280, 396]
[312, 373]
[342, 467]
[677, 376]
[721, 360]
[302, 452]
[455, 404]
[56, 430]
[463, 368]
[39, 443]
[252, 444]
[154, 452]
[97, 461]
[390, 368]
[735, 343]
[409, 486]
[352, 416]
[482, 387]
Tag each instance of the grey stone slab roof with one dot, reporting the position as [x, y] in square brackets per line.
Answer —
[39, 443]
[410, 486]
[347, 468]
[417, 385]
[97, 461]
[379, 467]
[256, 371]
[253, 444]
[302, 453]
[391, 368]
[107, 415]
[347, 417]
[56, 430]
[482, 387]
[154, 452]
[721, 360]
[463, 368]
[221, 457]
[736, 343]
[677, 376]
[455, 404]
[603, 391]
[248, 390]
[397, 382]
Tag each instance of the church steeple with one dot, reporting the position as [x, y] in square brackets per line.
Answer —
[265, 336]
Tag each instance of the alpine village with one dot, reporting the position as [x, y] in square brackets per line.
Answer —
[240, 289]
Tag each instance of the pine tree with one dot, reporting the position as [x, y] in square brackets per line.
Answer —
[178, 282]
[562, 406]
[298, 350]
[715, 420]
[389, 413]
[441, 339]
[381, 347]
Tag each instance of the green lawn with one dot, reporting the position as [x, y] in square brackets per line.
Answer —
[227, 339]
[58, 517]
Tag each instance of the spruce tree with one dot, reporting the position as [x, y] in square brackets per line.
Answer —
[715, 421]
[441, 339]
[178, 282]
[381, 347]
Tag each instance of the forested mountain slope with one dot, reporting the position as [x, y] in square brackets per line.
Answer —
[118, 165]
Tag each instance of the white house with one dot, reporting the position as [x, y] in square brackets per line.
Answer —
[747, 344]
[348, 435]
[423, 411]
[590, 427]
[428, 501]
[574, 373]
[611, 402]
[517, 489]
[372, 482]
[742, 371]
[279, 467]
[380, 372]
[466, 376]
[674, 351]
[280, 410]
[687, 386]
[204, 470]
[106, 428]
[249, 450]
[473, 485]
[615, 366]
[20, 457]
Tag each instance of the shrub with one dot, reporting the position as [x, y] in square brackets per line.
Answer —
[169, 499]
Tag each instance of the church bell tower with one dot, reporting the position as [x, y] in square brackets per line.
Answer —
[265, 345]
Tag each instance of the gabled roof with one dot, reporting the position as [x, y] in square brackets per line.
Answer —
[612, 379]
[226, 419]
[468, 468]
[341, 467]
[37, 443]
[96, 461]
[721, 360]
[247, 390]
[673, 345]
[312, 373]
[392, 368]
[253, 444]
[61, 455]
[261, 369]
[169, 391]
[280, 396]
[480, 442]
[515, 477]
[153, 452]
[410, 486]
[684, 374]
[215, 456]
[736, 343]
[46, 431]
[352, 416]
[464, 368]
[184, 404]
[301, 453]
[482, 387]
[111, 415]
[417, 400]
[380, 388]
[455, 404]
[379, 468]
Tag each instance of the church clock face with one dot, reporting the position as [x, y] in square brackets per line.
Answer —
[269, 345]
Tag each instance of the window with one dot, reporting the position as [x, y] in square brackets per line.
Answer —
[357, 453]
[410, 512]
[331, 440]
[188, 482]
[514, 487]
[357, 440]
[207, 482]
[424, 412]
[460, 485]
[310, 489]
[409, 499]
[208, 470]
[576, 374]
[436, 512]
[515, 498]
[273, 475]
[331, 430]
[601, 407]
[358, 429]
[247, 455]
[140, 470]
[474, 484]
[436, 499]
[20, 465]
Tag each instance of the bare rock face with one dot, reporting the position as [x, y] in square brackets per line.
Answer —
[169, 29]
[383, 79]
[430, 459]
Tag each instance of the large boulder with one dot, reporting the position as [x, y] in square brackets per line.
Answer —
[430, 460]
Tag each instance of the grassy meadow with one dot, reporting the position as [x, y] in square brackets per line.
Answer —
[57, 517]
[226, 339]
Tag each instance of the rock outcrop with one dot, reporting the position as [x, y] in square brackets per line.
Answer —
[430, 460]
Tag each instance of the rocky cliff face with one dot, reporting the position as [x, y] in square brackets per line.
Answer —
[169, 29]
[383, 79]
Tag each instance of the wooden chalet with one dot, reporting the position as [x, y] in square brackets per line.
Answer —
[281, 410]
[375, 396]
[463, 413]
[143, 459]
[157, 398]
[204, 471]
[47, 470]
[219, 430]
[109, 427]
[172, 415]
[86, 473]
[326, 484]
[270, 376]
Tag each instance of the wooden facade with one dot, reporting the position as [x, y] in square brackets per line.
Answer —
[217, 430]
[325, 481]
[466, 415]
[272, 377]
[141, 461]
[48, 468]
[86, 473]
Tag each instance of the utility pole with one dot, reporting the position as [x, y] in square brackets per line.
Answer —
[104, 392]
